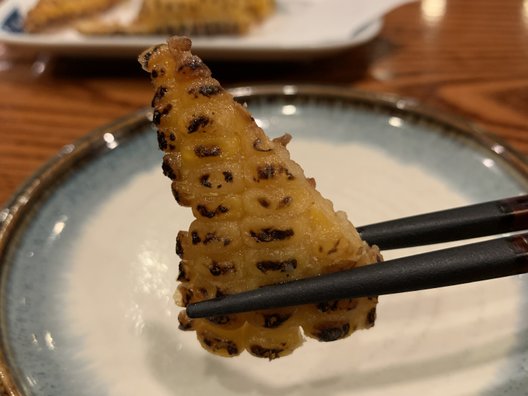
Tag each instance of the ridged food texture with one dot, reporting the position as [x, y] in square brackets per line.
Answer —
[48, 13]
[192, 17]
[259, 220]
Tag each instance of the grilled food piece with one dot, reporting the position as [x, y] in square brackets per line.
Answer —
[191, 17]
[259, 220]
[47, 13]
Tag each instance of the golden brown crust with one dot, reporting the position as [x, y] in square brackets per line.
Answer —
[48, 13]
[259, 220]
[190, 17]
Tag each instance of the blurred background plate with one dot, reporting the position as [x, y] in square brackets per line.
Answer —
[299, 29]
[89, 268]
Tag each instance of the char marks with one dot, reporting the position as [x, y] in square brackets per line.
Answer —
[277, 265]
[208, 213]
[333, 333]
[158, 114]
[198, 122]
[203, 151]
[271, 234]
[269, 171]
[258, 219]
[160, 93]
[194, 66]
[207, 90]
[221, 268]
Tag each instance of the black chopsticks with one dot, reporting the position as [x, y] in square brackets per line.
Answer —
[489, 218]
[469, 263]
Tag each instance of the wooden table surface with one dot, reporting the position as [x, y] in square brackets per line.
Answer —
[466, 57]
[461, 56]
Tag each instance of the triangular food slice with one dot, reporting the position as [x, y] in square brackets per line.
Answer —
[259, 220]
[47, 13]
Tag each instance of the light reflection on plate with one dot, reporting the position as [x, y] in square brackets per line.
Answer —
[88, 270]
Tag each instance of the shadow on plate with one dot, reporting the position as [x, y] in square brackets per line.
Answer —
[171, 365]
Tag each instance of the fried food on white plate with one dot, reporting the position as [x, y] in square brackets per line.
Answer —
[51, 13]
[191, 17]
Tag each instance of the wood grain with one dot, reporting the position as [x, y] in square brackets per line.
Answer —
[465, 57]
[468, 58]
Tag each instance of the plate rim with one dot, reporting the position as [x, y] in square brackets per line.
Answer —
[127, 46]
[42, 183]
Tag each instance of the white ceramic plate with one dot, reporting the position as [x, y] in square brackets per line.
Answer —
[89, 268]
[299, 29]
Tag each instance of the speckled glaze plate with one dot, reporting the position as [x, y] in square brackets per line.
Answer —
[88, 265]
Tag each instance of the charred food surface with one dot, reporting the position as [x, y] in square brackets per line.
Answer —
[259, 220]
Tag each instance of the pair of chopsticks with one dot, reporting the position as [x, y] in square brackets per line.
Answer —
[468, 263]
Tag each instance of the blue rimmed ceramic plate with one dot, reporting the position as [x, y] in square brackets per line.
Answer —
[89, 268]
